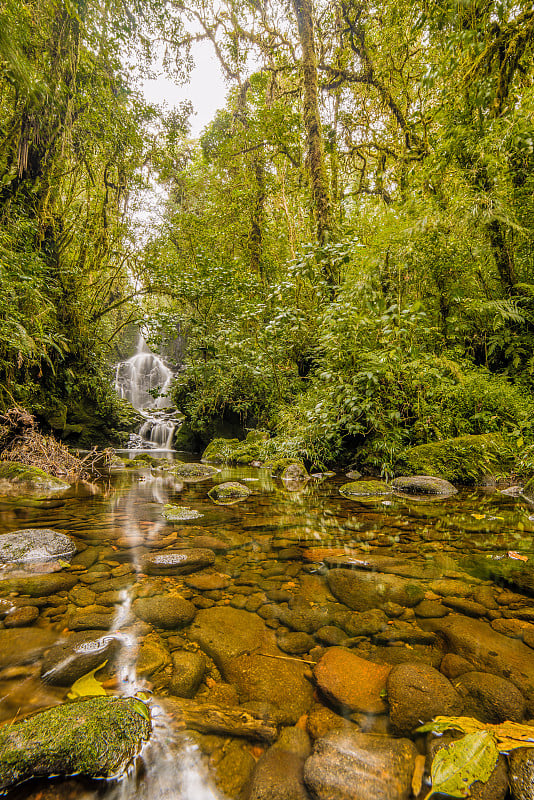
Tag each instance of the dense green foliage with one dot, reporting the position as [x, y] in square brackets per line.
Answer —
[347, 248]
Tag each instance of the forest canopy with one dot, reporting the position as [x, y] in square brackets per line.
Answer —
[347, 249]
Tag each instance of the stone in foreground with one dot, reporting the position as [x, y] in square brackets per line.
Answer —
[178, 562]
[348, 765]
[35, 545]
[352, 682]
[97, 737]
[365, 489]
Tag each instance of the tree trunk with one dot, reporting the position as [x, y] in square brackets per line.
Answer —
[312, 121]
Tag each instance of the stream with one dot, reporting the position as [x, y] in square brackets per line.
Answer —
[278, 583]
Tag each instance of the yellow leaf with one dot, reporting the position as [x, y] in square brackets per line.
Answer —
[87, 685]
[479, 516]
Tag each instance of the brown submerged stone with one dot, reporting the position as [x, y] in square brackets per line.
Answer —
[352, 682]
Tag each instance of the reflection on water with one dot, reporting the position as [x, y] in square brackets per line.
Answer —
[271, 548]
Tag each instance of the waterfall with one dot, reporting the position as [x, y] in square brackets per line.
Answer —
[144, 380]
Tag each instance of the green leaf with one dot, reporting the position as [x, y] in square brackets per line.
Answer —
[456, 767]
[87, 685]
[141, 708]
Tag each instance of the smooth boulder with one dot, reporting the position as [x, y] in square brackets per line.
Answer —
[35, 545]
[177, 562]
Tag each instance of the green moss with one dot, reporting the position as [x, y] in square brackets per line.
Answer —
[180, 513]
[235, 451]
[97, 737]
[231, 490]
[464, 459]
[365, 489]
[277, 466]
[529, 488]
[192, 472]
[32, 480]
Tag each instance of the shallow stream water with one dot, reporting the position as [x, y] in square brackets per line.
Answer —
[274, 551]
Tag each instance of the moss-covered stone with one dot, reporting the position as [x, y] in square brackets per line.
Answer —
[423, 484]
[191, 473]
[365, 489]
[235, 451]
[295, 472]
[38, 585]
[463, 459]
[19, 479]
[229, 492]
[528, 491]
[96, 737]
[277, 466]
[180, 513]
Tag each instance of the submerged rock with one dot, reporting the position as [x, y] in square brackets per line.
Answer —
[180, 513]
[348, 765]
[24, 645]
[416, 694]
[177, 562]
[362, 591]
[96, 737]
[351, 682]
[77, 655]
[423, 484]
[365, 489]
[279, 773]
[19, 479]
[164, 611]
[35, 545]
[38, 585]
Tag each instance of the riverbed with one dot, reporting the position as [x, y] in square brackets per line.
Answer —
[269, 606]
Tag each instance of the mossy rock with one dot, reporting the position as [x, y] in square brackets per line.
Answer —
[229, 492]
[463, 459]
[97, 737]
[365, 489]
[17, 479]
[528, 491]
[295, 472]
[145, 458]
[253, 437]
[190, 473]
[277, 466]
[180, 513]
[219, 451]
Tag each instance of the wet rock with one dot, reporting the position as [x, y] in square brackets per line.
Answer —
[490, 698]
[352, 682]
[177, 562]
[233, 770]
[330, 635]
[82, 596]
[430, 608]
[208, 581]
[451, 588]
[279, 773]
[175, 513]
[515, 628]
[191, 473]
[452, 666]
[164, 611]
[416, 694]
[83, 620]
[359, 766]
[35, 545]
[23, 645]
[21, 617]
[399, 631]
[321, 720]
[245, 652]
[97, 737]
[29, 483]
[365, 489]
[294, 642]
[465, 606]
[423, 484]
[366, 623]
[38, 585]
[495, 788]
[304, 618]
[77, 655]
[187, 672]
[152, 657]
[521, 773]
[489, 651]
[229, 492]
[362, 591]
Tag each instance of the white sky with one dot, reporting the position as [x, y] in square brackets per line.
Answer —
[206, 88]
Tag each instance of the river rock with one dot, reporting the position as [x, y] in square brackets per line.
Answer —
[295, 642]
[82, 620]
[229, 492]
[191, 473]
[32, 483]
[24, 645]
[21, 617]
[521, 773]
[416, 694]
[97, 737]
[304, 618]
[347, 765]
[187, 672]
[152, 656]
[490, 698]
[352, 682]
[423, 484]
[362, 591]
[38, 585]
[77, 655]
[164, 611]
[233, 771]
[489, 651]
[35, 545]
[279, 773]
[245, 651]
[177, 562]
[208, 581]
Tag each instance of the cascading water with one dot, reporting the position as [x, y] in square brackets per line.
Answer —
[145, 380]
